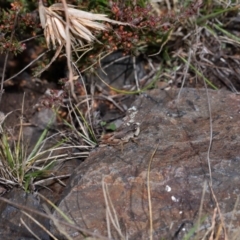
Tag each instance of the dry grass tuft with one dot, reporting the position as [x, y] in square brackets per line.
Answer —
[81, 24]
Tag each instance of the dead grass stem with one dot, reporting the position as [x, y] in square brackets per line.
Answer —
[149, 194]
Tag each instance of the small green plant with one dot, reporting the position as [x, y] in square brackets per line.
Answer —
[20, 168]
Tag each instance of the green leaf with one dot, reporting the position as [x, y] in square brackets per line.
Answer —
[111, 127]
[102, 124]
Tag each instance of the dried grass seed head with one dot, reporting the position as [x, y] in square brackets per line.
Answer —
[81, 24]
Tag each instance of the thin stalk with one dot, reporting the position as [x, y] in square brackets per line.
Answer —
[149, 194]
[200, 74]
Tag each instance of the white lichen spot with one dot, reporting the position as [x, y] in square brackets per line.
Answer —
[132, 116]
[133, 108]
[131, 120]
[174, 199]
[168, 188]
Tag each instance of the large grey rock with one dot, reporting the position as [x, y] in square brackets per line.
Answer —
[179, 131]
[12, 218]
